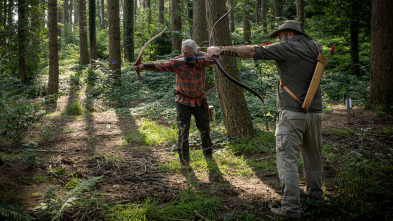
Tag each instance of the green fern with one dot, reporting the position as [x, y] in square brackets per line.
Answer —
[13, 212]
[55, 206]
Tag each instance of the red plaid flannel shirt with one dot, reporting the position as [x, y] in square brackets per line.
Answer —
[190, 77]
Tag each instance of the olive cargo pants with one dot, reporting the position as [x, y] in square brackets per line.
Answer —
[299, 133]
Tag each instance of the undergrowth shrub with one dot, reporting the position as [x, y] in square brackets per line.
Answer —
[75, 108]
[363, 184]
[16, 116]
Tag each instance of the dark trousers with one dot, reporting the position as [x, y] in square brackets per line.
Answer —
[183, 124]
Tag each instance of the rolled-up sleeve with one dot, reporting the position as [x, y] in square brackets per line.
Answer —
[275, 52]
[168, 66]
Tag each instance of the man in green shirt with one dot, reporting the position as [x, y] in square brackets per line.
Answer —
[297, 132]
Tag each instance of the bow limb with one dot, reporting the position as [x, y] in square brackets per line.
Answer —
[218, 64]
[139, 59]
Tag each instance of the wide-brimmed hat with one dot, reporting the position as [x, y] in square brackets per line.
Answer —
[289, 25]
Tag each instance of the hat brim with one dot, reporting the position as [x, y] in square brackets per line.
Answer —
[275, 34]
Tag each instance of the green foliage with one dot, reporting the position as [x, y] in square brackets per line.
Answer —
[16, 116]
[362, 178]
[74, 109]
[13, 212]
[35, 41]
[151, 133]
[133, 212]
[264, 142]
[30, 153]
[55, 205]
[184, 208]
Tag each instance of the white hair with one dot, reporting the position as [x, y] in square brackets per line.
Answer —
[189, 43]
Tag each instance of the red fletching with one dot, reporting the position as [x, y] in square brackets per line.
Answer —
[332, 49]
[263, 44]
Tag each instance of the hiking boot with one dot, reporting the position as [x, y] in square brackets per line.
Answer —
[282, 213]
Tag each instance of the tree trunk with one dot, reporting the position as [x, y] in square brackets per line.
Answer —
[381, 76]
[92, 30]
[83, 46]
[71, 8]
[300, 13]
[161, 9]
[114, 41]
[22, 39]
[10, 13]
[59, 22]
[256, 4]
[236, 116]
[2, 21]
[199, 31]
[66, 12]
[148, 6]
[232, 16]
[176, 25]
[53, 82]
[354, 48]
[99, 13]
[76, 14]
[190, 15]
[276, 12]
[246, 23]
[264, 11]
[129, 30]
[103, 14]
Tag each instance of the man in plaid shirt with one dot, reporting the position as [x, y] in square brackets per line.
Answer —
[190, 99]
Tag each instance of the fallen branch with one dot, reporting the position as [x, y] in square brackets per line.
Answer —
[200, 216]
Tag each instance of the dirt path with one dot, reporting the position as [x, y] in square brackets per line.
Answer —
[82, 147]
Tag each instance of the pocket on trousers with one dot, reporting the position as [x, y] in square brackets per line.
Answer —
[282, 142]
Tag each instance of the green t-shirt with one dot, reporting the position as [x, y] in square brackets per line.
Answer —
[295, 60]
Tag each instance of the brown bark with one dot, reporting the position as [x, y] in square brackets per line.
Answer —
[276, 12]
[148, 6]
[256, 5]
[99, 13]
[246, 23]
[354, 48]
[22, 39]
[66, 12]
[92, 30]
[103, 14]
[129, 30]
[114, 40]
[71, 8]
[176, 25]
[199, 30]
[53, 82]
[300, 13]
[233, 103]
[161, 9]
[2, 21]
[232, 16]
[59, 22]
[381, 76]
[264, 12]
[83, 46]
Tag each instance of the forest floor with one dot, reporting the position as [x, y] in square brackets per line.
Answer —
[79, 147]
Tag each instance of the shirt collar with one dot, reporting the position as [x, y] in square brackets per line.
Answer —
[298, 38]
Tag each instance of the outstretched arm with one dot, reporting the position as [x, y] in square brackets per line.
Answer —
[150, 67]
[246, 51]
